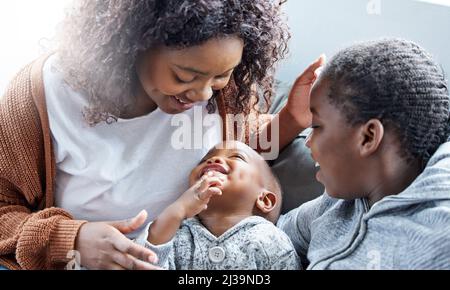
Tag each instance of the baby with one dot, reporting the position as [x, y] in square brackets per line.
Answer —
[225, 221]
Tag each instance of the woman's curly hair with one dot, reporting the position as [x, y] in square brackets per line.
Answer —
[100, 41]
[397, 82]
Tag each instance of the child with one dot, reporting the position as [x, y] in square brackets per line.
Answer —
[226, 217]
[380, 111]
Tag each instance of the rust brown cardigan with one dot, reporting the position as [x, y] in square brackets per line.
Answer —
[33, 233]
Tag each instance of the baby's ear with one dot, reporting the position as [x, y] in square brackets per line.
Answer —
[266, 201]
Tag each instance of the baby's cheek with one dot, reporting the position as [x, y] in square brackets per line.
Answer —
[192, 178]
[242, 178]
[246, 177]
[243, 175]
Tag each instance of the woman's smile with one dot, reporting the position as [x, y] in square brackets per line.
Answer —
[180, 105]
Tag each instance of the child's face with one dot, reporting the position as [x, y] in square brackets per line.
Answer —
[334, 146]
[175, 79]
[245, 173]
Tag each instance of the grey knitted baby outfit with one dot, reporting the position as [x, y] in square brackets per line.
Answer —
[252, 244]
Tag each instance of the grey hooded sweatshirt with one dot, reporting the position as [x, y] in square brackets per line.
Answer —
[410, 230]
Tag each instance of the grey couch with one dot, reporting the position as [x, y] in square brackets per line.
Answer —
[295, 168]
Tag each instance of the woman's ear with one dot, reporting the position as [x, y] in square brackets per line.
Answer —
[372, 133]
[266, 201]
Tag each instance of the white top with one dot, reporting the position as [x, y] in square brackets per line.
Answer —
[112, 172]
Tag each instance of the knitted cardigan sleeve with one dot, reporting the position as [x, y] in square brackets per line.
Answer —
[32, 234]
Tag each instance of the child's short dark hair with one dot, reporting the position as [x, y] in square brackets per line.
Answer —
[397, 82]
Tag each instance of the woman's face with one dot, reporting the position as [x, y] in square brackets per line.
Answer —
[334, 146]
[175, 79]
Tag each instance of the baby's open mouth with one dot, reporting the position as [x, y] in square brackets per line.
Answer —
[213, 168]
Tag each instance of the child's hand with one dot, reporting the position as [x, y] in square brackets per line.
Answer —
[299, 97]
[196, 199]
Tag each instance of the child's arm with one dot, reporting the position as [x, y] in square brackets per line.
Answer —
[190, 203]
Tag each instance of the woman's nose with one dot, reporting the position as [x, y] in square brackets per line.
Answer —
[200, 95]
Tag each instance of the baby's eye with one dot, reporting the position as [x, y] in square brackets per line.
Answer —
[315, 127]
[238, 156]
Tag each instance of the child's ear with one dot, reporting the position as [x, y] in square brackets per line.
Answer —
[266, 201]
[372, 133]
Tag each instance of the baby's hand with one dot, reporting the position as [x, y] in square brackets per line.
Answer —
[196, 199]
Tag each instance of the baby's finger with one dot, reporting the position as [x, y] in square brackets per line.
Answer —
[214, 181]
[215, 191]
[215, 173]
[208, 182]
[206, 195]
[203, 184]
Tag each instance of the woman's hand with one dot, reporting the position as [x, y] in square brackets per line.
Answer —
[299, 98]
[103, 245]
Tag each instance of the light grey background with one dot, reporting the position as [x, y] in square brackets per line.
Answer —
[318, 26]
[325, 26]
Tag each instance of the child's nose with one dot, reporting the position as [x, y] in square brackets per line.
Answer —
[215, 159]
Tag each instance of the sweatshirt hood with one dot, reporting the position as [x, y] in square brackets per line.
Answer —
[432, 185]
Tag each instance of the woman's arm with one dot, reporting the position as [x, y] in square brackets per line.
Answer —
[46, 239]
[295, 117]
[29, 239]
[40, 240]
[32, 236]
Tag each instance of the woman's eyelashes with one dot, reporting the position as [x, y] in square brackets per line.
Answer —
[182, 81]
[223, 77]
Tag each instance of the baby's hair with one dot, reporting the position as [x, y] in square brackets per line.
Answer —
[100, 40]
[397, 82]
[273, 185]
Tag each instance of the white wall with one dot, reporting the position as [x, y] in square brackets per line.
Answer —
[317, 26]
[325, 26]
[24, 25]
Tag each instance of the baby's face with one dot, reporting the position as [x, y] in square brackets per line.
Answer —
[240, 167]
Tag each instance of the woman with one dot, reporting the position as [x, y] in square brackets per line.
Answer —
[87, 133]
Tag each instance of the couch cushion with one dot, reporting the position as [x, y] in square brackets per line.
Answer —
[295, 168]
